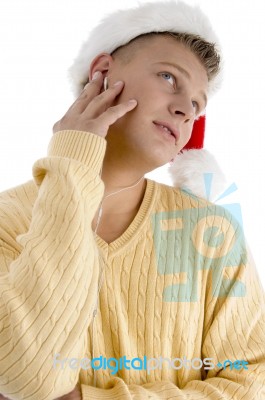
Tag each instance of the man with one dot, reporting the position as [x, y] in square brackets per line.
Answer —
[100, 263]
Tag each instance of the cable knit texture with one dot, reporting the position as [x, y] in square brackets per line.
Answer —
[178, 283]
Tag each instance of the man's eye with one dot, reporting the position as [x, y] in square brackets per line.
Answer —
[168, 77]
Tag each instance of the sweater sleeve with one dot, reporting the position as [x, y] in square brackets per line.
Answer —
[234, 329]
[48, 291]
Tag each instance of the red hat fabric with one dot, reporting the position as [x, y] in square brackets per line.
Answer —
[197, 137]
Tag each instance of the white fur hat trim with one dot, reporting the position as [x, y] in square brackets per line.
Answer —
[197, 172]
[120, 27]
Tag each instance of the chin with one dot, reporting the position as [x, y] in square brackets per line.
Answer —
[159, 161]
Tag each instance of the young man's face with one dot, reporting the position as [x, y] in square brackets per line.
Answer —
[166, 96]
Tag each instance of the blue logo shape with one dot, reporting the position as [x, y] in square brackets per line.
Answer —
[203, 237]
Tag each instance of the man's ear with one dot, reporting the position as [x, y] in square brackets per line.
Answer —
[101, 63]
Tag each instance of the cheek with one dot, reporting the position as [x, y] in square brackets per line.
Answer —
[143, 88]
[186, 133]
[131, 90]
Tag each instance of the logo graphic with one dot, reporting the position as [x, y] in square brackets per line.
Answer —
[233, 208]
[238, 364]
[145, 363]
[203, 236]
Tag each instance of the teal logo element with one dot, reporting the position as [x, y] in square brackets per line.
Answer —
[238, 364]
[233, 208]
[204, 238]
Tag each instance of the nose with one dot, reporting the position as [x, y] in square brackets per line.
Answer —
[182, 106]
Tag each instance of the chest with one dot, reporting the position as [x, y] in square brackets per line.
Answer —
[111, 227]
[134, 319]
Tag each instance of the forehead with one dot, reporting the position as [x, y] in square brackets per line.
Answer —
[166, 49]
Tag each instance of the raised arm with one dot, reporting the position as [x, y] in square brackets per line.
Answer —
[49, 279]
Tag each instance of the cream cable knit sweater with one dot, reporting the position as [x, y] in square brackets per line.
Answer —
[177, 284]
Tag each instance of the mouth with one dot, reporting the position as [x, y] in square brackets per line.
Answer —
[168, 129]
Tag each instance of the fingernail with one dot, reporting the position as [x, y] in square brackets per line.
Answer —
[132, 101]
[118, 83]
[96, 75]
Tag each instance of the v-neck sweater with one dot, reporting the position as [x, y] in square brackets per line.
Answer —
[177, 285]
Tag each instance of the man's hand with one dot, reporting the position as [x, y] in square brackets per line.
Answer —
[74, 395]
[93, 111]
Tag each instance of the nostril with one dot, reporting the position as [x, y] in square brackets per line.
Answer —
[179, 112]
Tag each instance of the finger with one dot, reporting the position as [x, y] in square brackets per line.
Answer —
[90, 91]
[105, 100]
[112, 114]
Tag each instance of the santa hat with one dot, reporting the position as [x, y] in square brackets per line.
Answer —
[120, 27]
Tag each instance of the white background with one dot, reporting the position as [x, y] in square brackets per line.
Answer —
[39, 40]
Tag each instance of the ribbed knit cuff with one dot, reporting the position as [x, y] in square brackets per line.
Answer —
[85, 147]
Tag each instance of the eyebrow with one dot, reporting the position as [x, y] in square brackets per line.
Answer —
[186, 74]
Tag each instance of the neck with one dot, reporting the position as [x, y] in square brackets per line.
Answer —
[120, 208]
[123, 201]
[117, 177]
[123, 190]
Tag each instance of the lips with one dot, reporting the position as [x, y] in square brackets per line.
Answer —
[168, 128]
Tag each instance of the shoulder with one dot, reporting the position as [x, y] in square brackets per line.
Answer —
[176, 197]
[178, 201]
